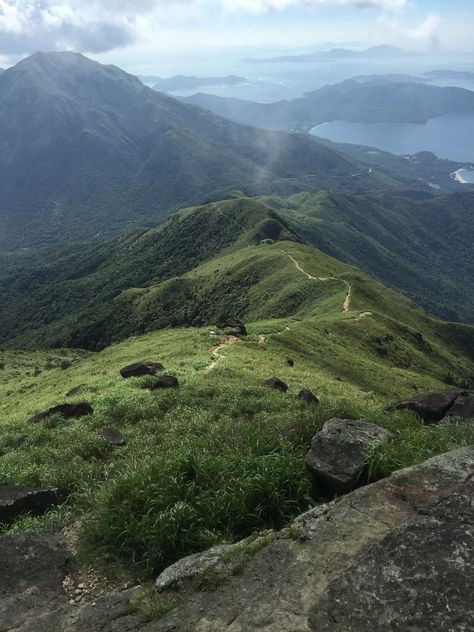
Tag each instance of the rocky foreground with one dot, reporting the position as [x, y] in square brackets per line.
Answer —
[395, 555]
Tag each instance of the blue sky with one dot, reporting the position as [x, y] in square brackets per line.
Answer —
[135, 29]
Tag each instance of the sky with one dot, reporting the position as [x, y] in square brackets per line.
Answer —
[133, 31]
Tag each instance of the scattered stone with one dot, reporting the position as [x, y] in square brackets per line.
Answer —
[290, 363]
[277, 384]
[307, 396]
[66, 411]
[75, 391]
[138, 369]
[167, 381]
[18, 500]
[432, 407]
[112, 436]
[186, 571]
[339, 453]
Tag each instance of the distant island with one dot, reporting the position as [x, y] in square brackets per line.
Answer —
[337, 54]
[459, 75]
[185, 82]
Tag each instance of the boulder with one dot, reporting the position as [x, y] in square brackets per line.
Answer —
[138, 369]
[432, 407]
[286, 582]
[167, 381]
[277, 384]
[18, 500]
[185, 572]
[237, 331]
[290, 363]
[420, 576]
[340, 451]
[231, 322]
[75, 390]
[66, 411]
[307, 396]
[463, 406]
[112, 436]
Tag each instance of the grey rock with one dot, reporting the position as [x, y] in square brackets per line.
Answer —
[167, 381]
[66, 411]
[420, 576]
[75, 390]
[340, 451]
[186, 571]
[463, 406]
[138, 369]
[112, 436]
[18, 500]
[277, 384]
[432, 407]
[278, 588]
[237, 331]
[308, 397]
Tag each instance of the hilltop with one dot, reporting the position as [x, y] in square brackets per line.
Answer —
[88, 150]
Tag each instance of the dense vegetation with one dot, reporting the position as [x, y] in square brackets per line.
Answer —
[147, 280]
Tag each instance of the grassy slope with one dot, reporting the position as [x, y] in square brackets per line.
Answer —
[419, 244]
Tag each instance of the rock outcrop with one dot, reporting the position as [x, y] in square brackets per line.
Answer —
[276, 384]
[66, 411]
[112, 436]
[308, 397]
[434, 406]
[167, 381]
[139, 369]
[16, 500]
[394, 555]
[340, 451]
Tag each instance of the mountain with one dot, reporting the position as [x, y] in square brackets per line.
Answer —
[184, 82]
[457, 75]
[147, 280]
[87, 150]
[419, 244]
[374, 101]
[338, 54]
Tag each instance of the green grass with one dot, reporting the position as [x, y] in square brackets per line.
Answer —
[222, 456]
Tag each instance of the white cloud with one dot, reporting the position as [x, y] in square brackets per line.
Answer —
[425, 34]
[264, 6]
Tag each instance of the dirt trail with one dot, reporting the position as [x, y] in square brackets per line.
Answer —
[215, 351]
[347, 301]
[261, 339]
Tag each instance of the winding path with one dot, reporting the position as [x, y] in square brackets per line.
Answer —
[215, 351]
[347, 301]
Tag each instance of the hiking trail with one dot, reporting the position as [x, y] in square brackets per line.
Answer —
[215, 351]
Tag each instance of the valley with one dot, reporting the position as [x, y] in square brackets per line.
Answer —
[236, 363]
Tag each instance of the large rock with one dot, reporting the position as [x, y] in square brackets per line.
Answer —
[434, 406]
[276, 384]
[308, 397]
[188, 570]
[282, 584]
[66, 411]
[138, 369]
[237, 327]
[17, 500]
[420, 576]
[167, 381]
[340, 451]
[112, 436]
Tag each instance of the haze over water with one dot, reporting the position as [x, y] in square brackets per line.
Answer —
[450, 136]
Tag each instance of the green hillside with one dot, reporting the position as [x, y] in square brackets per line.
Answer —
[375, 101]
[419, 244]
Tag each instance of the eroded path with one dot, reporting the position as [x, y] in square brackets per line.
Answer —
[347, 301]
[215, 352]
